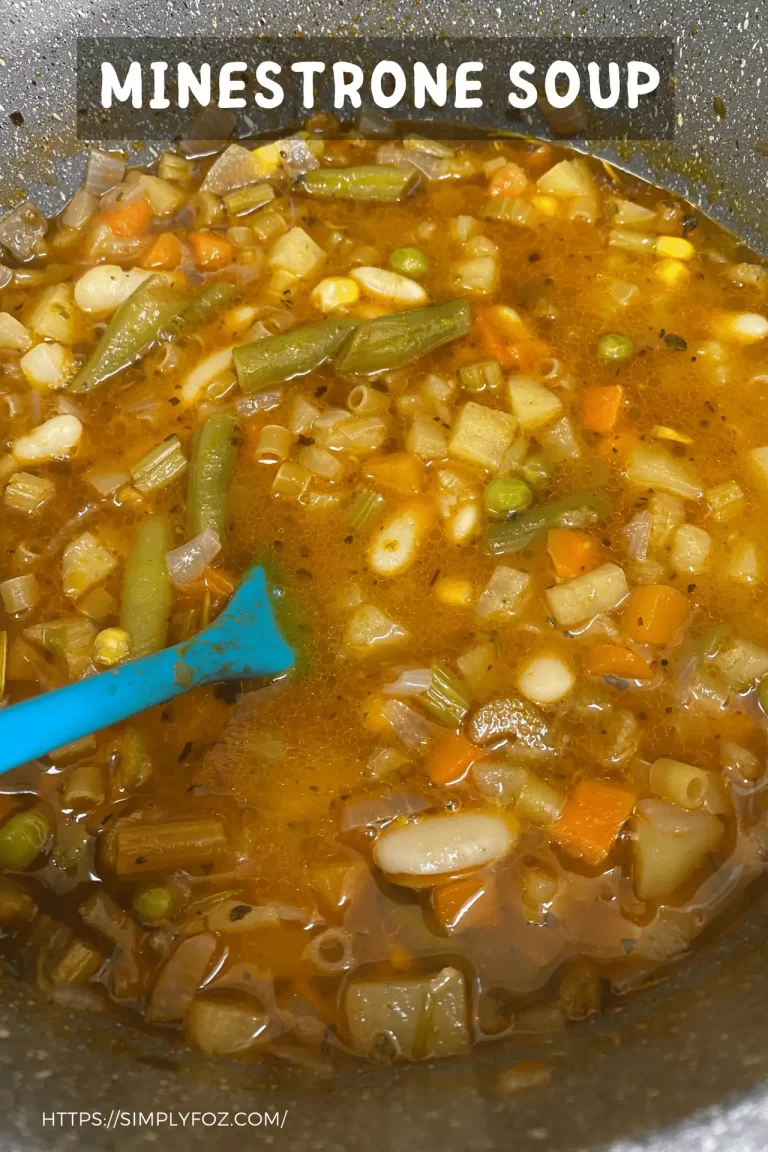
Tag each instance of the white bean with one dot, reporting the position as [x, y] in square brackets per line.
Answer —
[104, 288]
[390, 287]
[443, 845]
[396, 542]
[53, 440]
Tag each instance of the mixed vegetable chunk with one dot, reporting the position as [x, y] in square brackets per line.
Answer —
[495, 415]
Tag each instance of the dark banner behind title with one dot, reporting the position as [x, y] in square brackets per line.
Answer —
[582, 89]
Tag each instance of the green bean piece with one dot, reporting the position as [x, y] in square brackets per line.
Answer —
[274, 359]
[365, 182]
[147, 588]
[205, 306]
[536, 471]
[507, 494]
[448, 697]
[152, 311]
[522, 531]
[614, 346]
[23, 837]
[409, 262]
[213, 460]
[392, 341]
[153, 905]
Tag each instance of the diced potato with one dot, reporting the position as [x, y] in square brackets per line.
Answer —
[47, 365]
[390, 287]
[85, 563]
[104, 288]
[504, 594]
[56, 439]
[742, 664]
[14, 337]
[482, 435]
[416, 1018]
[559, 442]
[296, 252]
[335, 292]
[205, 373]
[691, 549]
[567, 178]
[426, 438]
[545, 679]
[163, 197]
[743, 564]
[479, 668]
[396, 542]
[654, 467]
[581, 599]
[669, 845]
[55, 315]
[533, 404]
[478, 276]
[369, 630]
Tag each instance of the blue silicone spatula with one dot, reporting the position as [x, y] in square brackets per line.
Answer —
[243, 642]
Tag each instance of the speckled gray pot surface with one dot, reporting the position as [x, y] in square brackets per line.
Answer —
[682, 1066]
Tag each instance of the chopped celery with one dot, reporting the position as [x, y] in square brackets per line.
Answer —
[135, 766]
[294, 353]
[160, 466]
[244, 200]
[516, 534]
[28, 493]
[447, 698]
[483, 374]
[365, 182]
[213, 458]
[364, 510]
[392, 341]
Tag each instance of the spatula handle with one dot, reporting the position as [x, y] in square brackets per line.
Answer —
[36, 726]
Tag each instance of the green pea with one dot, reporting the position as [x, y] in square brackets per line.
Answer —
[22, 839]
[507, 494]
[614, 346]
[409, 262]
[153, 905]
[537, 471]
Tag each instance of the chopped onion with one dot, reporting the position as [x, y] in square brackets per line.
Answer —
[80, 209]
[259, 402]
[671, 820]
[409, 725]
[67, 407]
[35, 403]
[121, 196]
[297, 157]
[372, 122]
[376, 810]
[102, 171]
[106, 483]
[21, 229]
[433, 167]
[412, 682]
[188, 562]
[638, 535]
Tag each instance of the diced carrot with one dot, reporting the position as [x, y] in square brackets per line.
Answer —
[510, 180]
[572, 553]
[214, 580]
[592, 819]
[465, 903]
[654, 613]
[602, 408]
[398, 470]
[494, 343]
[450, 759]
[210, 251]
[132, 220]
[616, 449]
[611, 660]
[165, 253]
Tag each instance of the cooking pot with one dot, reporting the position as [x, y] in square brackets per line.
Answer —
[682, 1065]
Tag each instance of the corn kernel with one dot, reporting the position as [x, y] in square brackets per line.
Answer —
[111, 646]
[547, 205]
[454, 592]
[675, 248]
[663, 432]
[267, 159]
[335, 292]
[671, 273]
